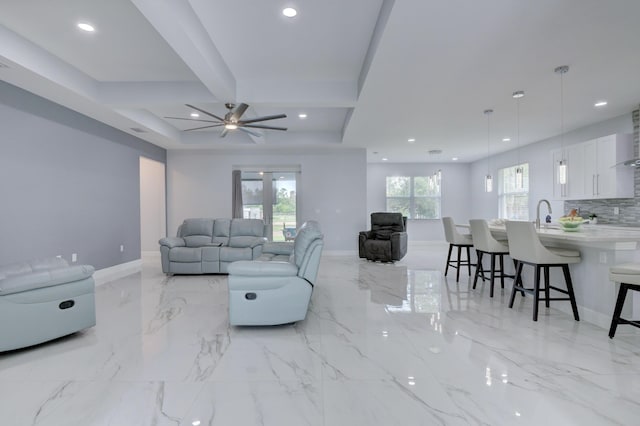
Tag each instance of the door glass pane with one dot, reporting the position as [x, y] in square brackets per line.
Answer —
[252, 186]
[284, 206]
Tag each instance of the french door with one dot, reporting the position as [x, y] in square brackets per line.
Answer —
[272, 197]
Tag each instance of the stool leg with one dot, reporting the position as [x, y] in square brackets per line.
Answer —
[458, 264]
[493, 273]
[572, 296]
[448, 260]
[536, 291]
[478, 268]
[546, 286]
[501, 270]
[469, 260]
[622, 294]
[517, 279]
[515, 284]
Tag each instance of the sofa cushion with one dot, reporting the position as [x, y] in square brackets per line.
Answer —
[247, 228]
[197, 232]
[221, 230]
[185, 254]
[232, 254]
[210, 254]
[242, 241]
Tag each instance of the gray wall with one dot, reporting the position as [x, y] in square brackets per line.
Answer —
[538, 155]
[68, 183]
[455, 194]
[332, 187]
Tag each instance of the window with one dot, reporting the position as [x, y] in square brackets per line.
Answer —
[513, 202]
[416, 197]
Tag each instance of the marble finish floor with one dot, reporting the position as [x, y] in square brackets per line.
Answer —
[382, 345]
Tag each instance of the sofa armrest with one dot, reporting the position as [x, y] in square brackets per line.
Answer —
[44, 278]
[280, 247]
[362, 237]
[172, 242]
[257, 268]
[398, 245]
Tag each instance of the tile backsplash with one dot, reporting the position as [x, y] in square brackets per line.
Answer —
[629, 208]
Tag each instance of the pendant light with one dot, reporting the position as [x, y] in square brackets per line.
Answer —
[562, 165]
[488, 180]
[519, 171]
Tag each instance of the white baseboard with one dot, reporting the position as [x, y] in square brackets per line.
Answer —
[151, 255]
[115, 272]
[339, 252]
[587, 315]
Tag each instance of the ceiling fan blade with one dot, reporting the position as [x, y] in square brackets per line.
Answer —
[205, 112]
[258, 126]
[238, 111]
[204, 127]
[224, 132]
[256, 134]
[192, 119]
[265, 118]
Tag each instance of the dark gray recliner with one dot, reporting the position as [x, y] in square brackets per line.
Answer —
[387, 239]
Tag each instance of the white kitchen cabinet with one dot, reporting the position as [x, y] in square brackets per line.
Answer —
[593, 171]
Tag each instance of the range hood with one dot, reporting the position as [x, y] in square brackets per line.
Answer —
[634, 162]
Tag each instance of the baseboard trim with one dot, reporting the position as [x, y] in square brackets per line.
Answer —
[587, 315]
[340, 252]
[150, 255]
[103, 276]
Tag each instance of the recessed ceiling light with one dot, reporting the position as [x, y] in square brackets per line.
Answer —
[506, 139]
[195, 115]
[411, 140]
[518, 94]
[600, 104]
[385, 159]
[289, 12]
[302, 115]
[86, 27]
[454, 159]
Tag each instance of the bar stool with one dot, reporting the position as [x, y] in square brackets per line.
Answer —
[526, 248]
[456, 239]
[628, 275]
[484, 243]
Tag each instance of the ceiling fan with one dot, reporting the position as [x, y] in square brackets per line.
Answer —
[232, 120]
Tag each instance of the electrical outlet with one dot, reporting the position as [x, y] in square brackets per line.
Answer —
[603, 257]
[121, 248]
[74, 257]
[616, 210]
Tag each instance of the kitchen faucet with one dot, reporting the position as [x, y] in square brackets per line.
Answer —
[538, 211]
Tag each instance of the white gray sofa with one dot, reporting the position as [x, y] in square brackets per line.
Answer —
[209, 246]
[44, 299]
[276, 288]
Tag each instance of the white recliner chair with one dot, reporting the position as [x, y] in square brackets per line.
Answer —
[270, 290]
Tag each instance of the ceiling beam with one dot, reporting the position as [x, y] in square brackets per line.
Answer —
[284, 93]
[179, 25]
[143, 94]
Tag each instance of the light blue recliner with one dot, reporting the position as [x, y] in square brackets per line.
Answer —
[276, 288]
[44, 299]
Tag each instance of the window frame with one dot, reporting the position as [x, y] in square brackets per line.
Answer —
[413, 199]
[505, 194]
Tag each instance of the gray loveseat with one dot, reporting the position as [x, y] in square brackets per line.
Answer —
[208, 246]
[42, 300]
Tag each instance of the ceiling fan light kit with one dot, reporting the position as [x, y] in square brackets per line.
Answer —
[232, 120]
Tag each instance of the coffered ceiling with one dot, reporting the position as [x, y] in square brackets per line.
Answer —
[367, 73]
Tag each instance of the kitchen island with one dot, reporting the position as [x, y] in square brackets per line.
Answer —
[600, 246]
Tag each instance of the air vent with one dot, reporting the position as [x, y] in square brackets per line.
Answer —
[138, 130]
[435, 151]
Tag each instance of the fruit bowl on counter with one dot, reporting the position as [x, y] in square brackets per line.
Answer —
[570, 223]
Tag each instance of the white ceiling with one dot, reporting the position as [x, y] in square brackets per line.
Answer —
[368, 73]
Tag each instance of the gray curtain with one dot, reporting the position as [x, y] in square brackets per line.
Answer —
[236, 191]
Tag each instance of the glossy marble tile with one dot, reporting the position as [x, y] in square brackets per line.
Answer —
[383, 344]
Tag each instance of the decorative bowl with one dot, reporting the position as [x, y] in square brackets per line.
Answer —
[570, 224]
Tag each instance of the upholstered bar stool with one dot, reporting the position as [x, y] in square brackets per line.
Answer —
[484, 243]
[628, 275]
[456, 239]
[525, 247]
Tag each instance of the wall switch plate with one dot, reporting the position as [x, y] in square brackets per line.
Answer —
[616, 210]
[121, 248]
[74, 257]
